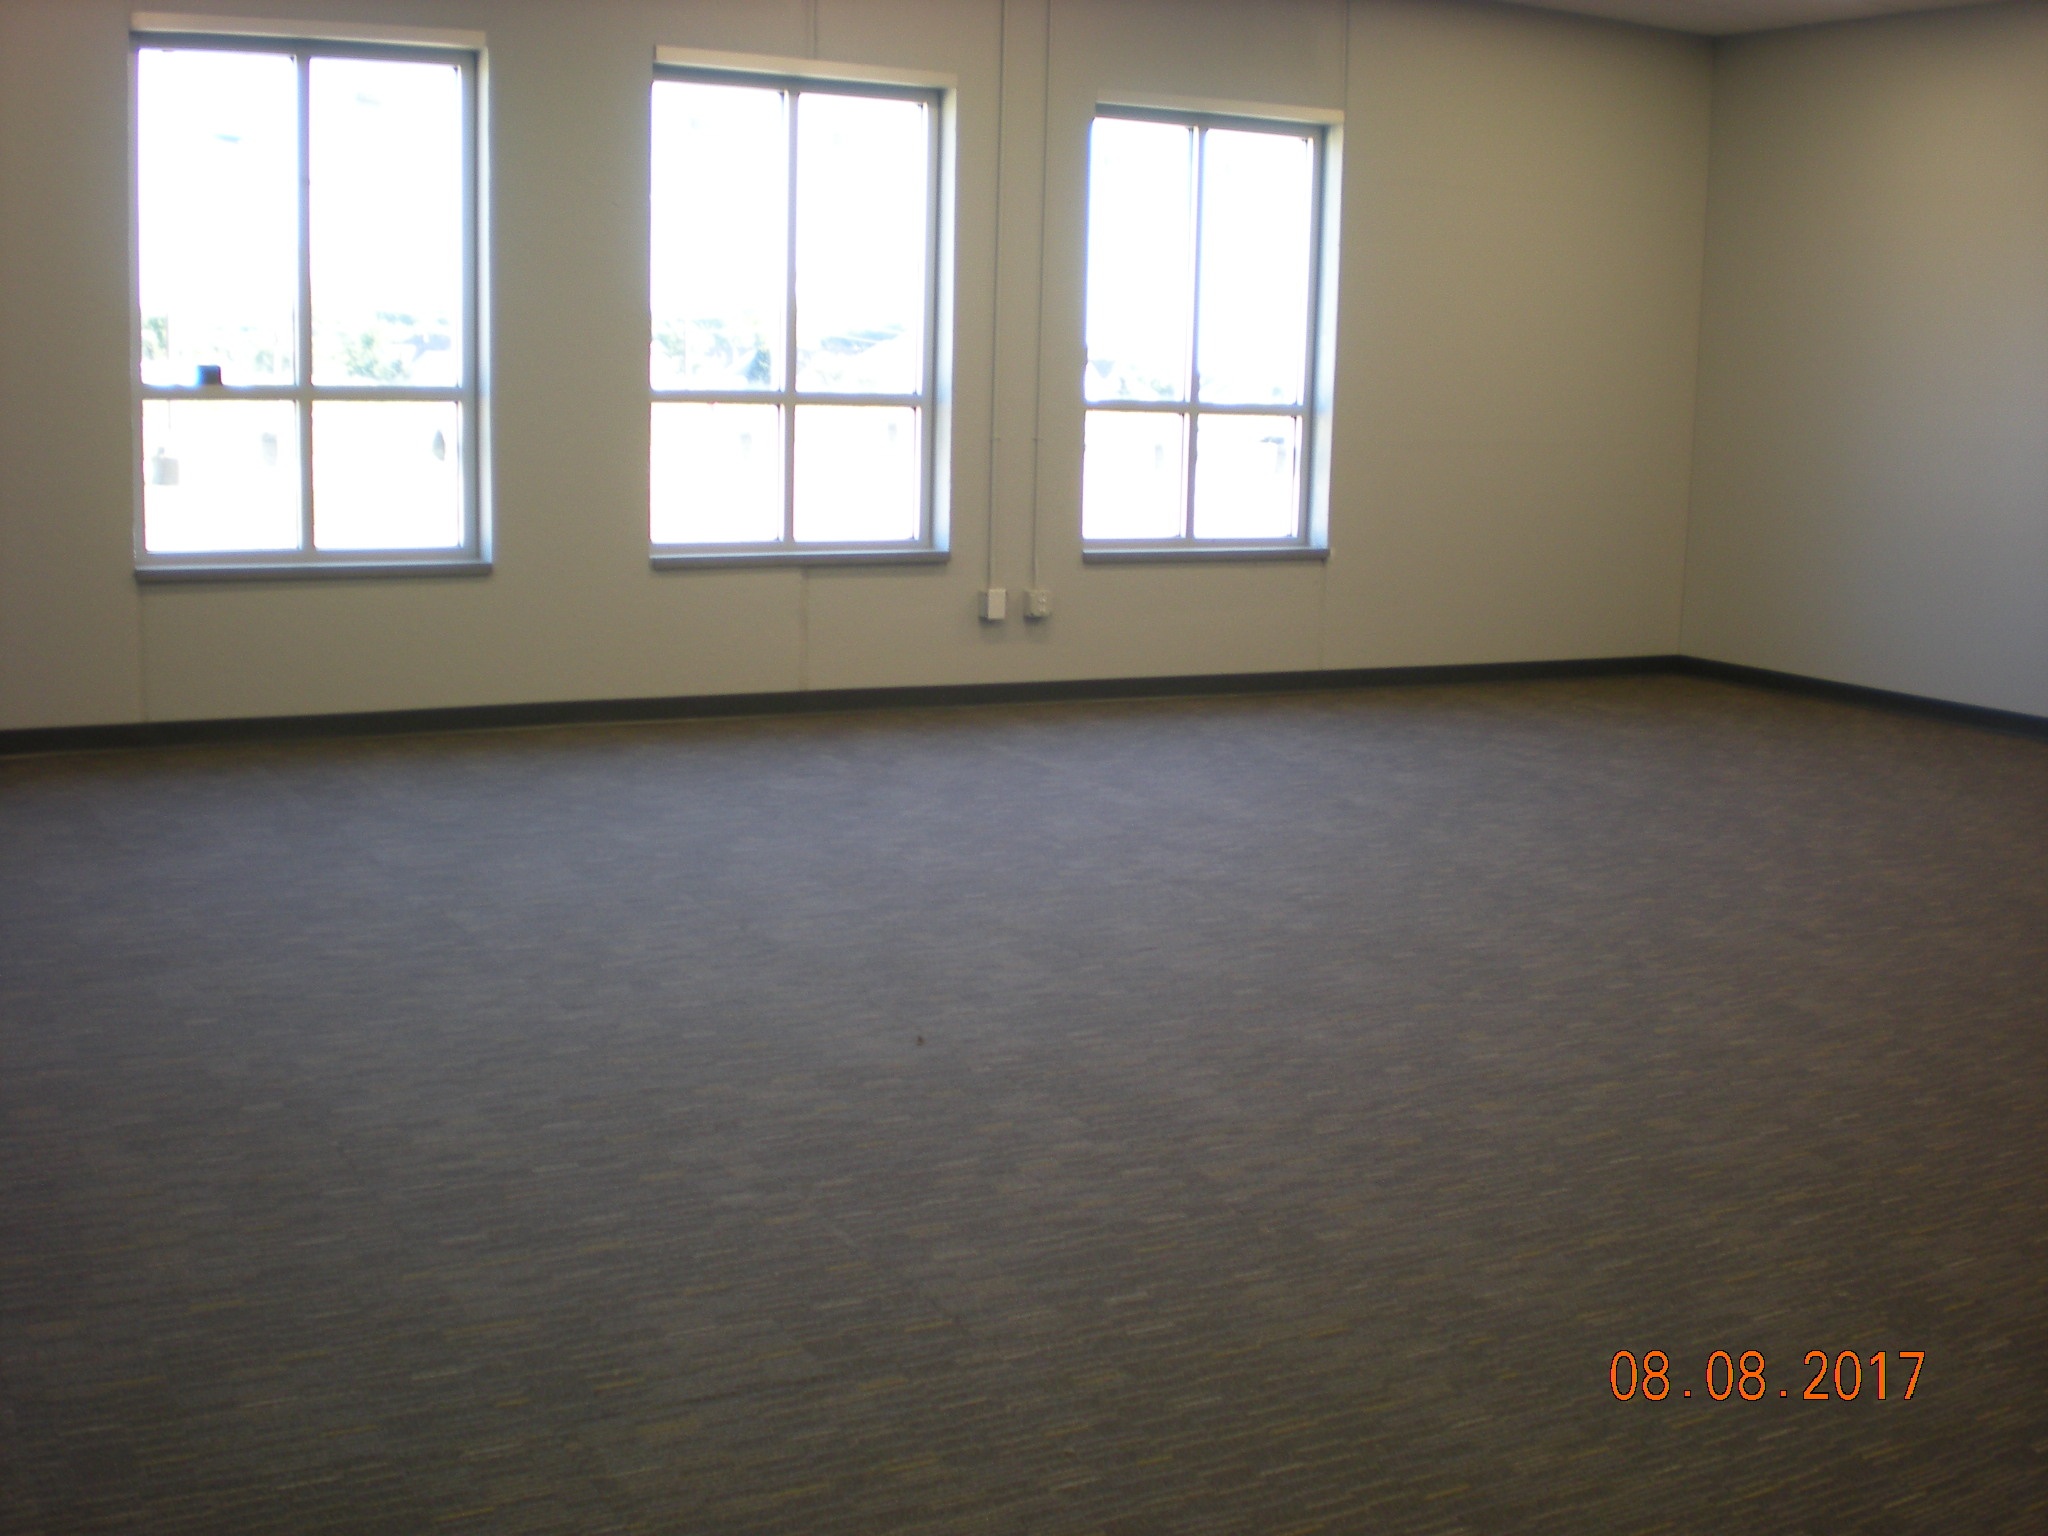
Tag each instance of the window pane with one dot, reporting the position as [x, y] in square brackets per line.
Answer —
[720, 252]
[1258, 204]
[862, 172]
[217, 162]
[1140, 260]
[856, 474]
[1132, 468]
[387, 206]
[1247, 477]
[716, 474]
[219, 475]
[387, 475]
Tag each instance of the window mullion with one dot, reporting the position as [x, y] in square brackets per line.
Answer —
[927, 493]
[1194, 345]
[305, 337]
[790, 100]
[472, 290]
[1310, 364]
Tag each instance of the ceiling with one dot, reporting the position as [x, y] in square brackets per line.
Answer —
[1719, 17]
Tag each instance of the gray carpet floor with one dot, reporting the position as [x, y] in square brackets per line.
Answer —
[1243, 1115]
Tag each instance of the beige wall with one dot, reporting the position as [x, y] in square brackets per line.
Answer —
[1521, 303]
[1523, 208]
[1870, 498]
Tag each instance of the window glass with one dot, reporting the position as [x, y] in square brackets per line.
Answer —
[1247, 476]
[1258, 225]
[1201, 269]
[387, 222]
[717, 473]
[220, 474]
[776, 427]
[1140, 260]
[1133, 464]
[856, 474]
[386, 474]
[217, 210]
[860, 251]
[303, 400]
[721, 238]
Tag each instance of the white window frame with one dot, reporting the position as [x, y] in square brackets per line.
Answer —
[1310, 539]
[472, 555]
[929, 544]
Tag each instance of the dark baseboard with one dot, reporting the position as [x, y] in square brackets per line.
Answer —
[483, 717]
[88, 738]
[1855, 693]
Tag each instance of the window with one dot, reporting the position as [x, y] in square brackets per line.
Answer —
[1202, 324]
[792, 287]
[306, 305]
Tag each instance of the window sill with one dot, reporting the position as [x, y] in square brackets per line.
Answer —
[712, 559]
[308, 570]
[1152, 554]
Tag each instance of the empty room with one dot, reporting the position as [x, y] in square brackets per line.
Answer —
[1023, 766]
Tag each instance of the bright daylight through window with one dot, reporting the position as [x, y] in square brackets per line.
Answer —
[792, 289]
[1202, 266]
[304, 233]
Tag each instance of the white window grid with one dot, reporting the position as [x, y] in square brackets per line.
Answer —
[304, 393]
[788, 397]
[1192, 408]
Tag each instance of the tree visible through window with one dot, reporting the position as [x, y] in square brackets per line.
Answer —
[305, 327]
[791, 288]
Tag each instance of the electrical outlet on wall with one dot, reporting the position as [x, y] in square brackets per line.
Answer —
[994, 605]
[1038, 603]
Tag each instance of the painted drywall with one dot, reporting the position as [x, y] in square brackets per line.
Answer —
[1521, 309]
[1870, 499]
[70, 615]
[1523, 205]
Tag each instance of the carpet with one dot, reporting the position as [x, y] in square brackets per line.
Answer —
[1260, 1114]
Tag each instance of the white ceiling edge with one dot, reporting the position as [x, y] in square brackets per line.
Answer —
[1721, 18]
